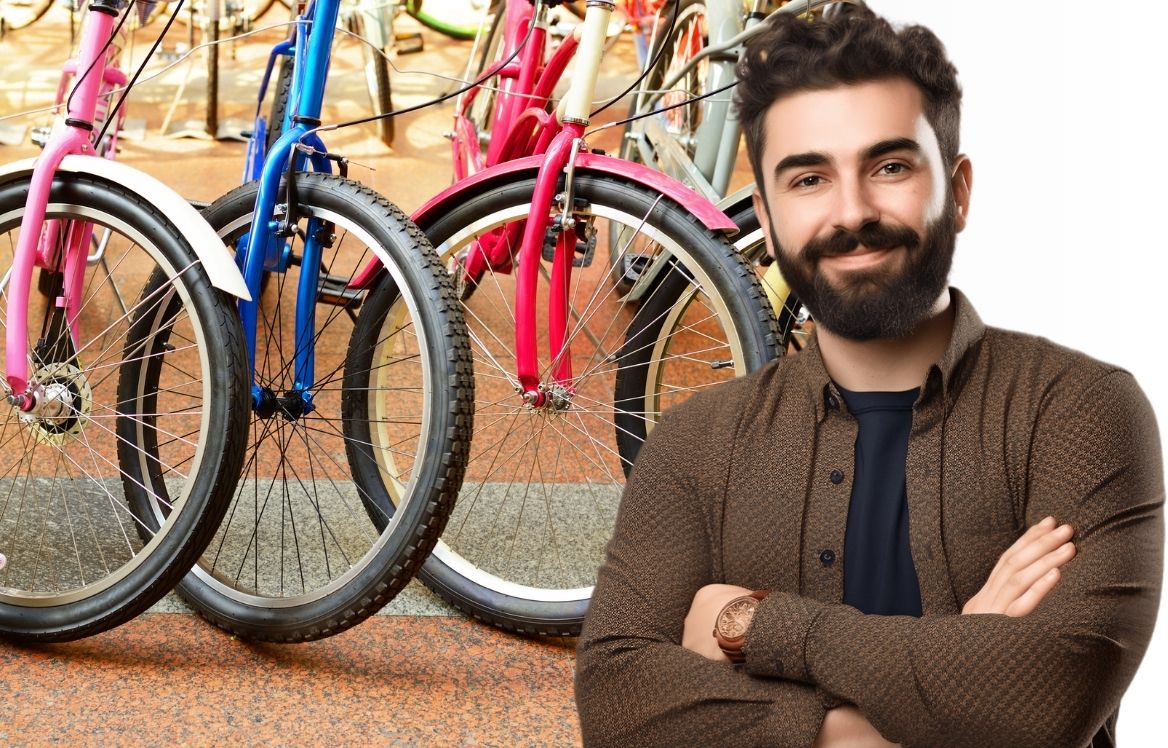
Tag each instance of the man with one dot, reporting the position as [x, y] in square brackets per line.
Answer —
[918, 531]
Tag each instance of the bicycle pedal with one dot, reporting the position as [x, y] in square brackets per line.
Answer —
[632, 265]
[334, 290]
[408, 44]
[585, 250]
[40, 136]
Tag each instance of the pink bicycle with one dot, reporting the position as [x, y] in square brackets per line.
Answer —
[560, 416]
[124, 370]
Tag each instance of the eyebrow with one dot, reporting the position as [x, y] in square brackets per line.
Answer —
[884, 147]
[814, 158]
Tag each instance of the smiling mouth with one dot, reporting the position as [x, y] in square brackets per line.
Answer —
[860, 257]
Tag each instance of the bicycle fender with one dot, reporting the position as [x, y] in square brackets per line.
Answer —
[705, 211]
[216, 259]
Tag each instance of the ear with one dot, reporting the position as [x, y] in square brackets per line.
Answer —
[962, 184]
[764, 219]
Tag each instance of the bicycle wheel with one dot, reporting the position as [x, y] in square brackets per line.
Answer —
[456, 18]
[688, 36]
[82, 558]
[543, 484]
[18, 14]
[298, 555]
[376, 69]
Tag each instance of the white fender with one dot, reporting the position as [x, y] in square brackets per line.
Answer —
[218, 261]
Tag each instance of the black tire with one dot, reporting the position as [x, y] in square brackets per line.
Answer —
[298, 556]
[682, 32]
[281, 92]
[83, 553]
[794, 321]
[377, 82]
[542, 486]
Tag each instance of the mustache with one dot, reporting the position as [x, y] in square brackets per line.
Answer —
[872, 235]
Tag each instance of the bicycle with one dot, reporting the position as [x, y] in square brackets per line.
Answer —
[695, 137]
[558, 423]
[19, 14]
[305, 551]
[124, 370]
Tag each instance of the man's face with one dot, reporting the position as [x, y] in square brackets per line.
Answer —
[862, 213]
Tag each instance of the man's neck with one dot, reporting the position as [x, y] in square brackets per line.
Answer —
[889, 365]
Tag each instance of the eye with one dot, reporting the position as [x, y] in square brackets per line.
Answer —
[893, 168]
[810, 180]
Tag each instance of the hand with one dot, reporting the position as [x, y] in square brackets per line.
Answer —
[698, 632]
[1026, 571]
[847, 727]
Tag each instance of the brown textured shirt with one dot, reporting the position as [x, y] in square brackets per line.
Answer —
[749, 484]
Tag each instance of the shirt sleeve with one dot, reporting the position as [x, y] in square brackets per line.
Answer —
[635, 683]
[1047, 679]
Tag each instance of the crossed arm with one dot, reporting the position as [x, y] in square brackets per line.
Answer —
[1024, 574]
[1047, 678]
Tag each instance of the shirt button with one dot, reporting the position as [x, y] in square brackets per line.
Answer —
[827, 558]
[837, 477]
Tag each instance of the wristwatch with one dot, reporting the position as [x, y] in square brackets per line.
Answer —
[733, 622]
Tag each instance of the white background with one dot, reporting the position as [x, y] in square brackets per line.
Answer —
[1063, 118]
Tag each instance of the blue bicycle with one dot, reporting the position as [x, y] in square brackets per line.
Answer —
[305, 552]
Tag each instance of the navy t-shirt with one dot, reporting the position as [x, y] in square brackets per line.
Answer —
[879, 576]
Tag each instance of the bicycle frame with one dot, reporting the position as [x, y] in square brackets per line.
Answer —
[266, 250]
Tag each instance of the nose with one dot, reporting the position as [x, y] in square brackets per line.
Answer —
[853, 208]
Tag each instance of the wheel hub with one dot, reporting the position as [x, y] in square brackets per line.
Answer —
[61, 403]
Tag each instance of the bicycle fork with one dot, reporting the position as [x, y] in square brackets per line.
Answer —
[39, 248]
[574, 112]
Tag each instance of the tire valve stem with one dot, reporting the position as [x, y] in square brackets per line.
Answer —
[722, 364]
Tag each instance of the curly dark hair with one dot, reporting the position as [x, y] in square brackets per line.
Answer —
[857, 46]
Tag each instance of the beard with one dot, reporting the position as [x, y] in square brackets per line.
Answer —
[881, 303]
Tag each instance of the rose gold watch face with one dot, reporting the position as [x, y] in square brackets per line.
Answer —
[735, 618]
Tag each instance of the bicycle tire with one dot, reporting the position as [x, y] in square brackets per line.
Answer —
[495, 561]
[451, 29]
[686, 21]
[376, 69]
[281, 92]
[24, 14]
[298, 557]
[793, 319]
[82, 555]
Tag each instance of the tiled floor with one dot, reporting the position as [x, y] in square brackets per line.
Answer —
[167, 679]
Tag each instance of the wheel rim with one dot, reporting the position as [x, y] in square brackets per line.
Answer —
[67, 526]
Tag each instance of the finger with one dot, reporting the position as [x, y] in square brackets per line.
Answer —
[1022, 579]
[1022, 555]
[1034, 531]
[1030, 599]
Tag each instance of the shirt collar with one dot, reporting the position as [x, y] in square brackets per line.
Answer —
[968, 330]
